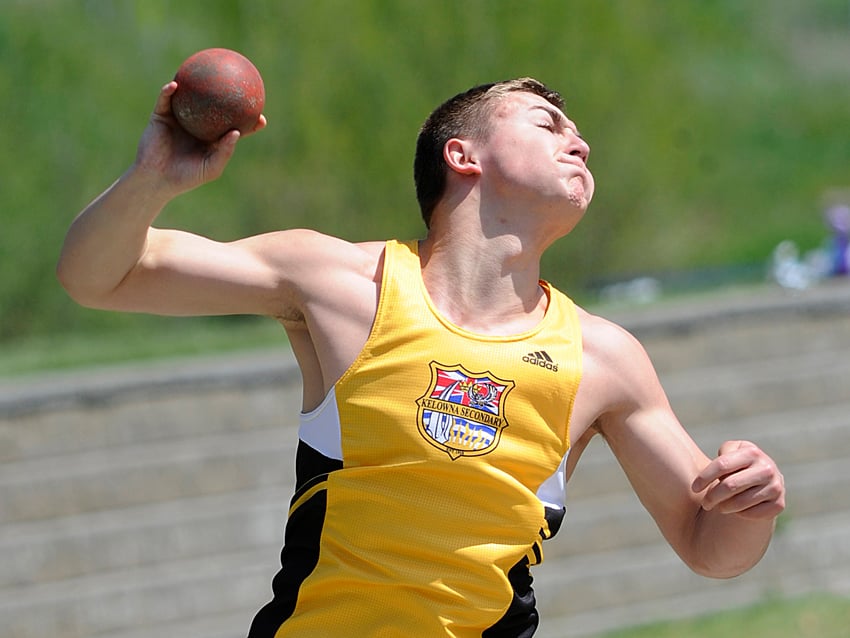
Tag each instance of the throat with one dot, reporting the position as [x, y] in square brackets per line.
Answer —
[492, 290]
[497, 313]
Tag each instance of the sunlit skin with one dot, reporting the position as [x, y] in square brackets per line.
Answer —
[509, 196]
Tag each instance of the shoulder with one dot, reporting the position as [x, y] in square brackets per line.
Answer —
[607, 341]
[618, 376]
[601, 337]
[311, 244]
[313, 269]
[300, 256]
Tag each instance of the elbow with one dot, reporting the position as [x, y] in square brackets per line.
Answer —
[721, 570]
[67, 280]
[72, 289]
[729, 547]
[77, 288]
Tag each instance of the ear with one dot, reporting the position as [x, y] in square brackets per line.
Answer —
[460, 157]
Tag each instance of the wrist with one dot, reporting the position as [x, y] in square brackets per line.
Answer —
[147, 186]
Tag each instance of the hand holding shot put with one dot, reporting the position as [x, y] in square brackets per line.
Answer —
[216, 97]
[184, 161]
[448, 390]
[114, 234]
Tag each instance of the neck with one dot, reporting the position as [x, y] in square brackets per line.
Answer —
[483, 282]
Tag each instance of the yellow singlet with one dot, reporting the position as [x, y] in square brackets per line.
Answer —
[429, 476]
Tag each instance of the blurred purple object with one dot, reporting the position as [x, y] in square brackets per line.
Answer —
[838, 218]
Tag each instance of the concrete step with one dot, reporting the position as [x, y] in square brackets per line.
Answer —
[102, 479]
[118, 539]
[124, 405]
[173, 592]
[210, 625]
[594, 592]
[798, 435]
[695, 345]
[113, 384]
[739, 325]
[143, 420]
[776, 432]
[138, 501]
[93, 481]
[104, 540]
[737, 340]
[701, 394]
[585, 586]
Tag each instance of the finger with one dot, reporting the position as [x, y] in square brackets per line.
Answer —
[717, 469]
[220, 155]
[765, 501]
[732, 456]
[259, 125]
[759, 482]
[729, 501]
[738, 482]
[163, 100]
[731, 446]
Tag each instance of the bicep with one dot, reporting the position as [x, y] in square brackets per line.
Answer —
[181, 273]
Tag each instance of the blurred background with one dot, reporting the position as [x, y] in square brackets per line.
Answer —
[718, 130]
[720, 137]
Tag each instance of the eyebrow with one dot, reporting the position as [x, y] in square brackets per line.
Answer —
[559, 118]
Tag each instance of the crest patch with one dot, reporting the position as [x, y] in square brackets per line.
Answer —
[463, 412]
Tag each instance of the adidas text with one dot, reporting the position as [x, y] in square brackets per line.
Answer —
[541, 359]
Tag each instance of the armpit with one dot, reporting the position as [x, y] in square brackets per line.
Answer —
[293, 319]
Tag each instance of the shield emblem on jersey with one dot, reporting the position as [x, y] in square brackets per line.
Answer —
[463, 412]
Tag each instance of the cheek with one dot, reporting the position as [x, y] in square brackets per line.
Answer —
[513, 167]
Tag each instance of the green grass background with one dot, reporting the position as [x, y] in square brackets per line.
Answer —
[810, 617]
[718, 128]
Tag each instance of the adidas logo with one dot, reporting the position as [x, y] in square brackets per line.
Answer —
[540, 358]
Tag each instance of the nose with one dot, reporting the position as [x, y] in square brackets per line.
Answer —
[578, 147]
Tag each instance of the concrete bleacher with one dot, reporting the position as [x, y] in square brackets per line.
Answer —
[150, 500]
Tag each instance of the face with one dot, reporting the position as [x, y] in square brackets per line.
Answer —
[535, 158]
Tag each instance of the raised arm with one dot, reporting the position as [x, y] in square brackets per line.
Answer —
[324, 290]
[717, 514]
[113, 259]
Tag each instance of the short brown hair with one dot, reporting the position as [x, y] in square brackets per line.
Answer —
[465, 115]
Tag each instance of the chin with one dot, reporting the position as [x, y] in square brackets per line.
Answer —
[579, 193]
[578, 200]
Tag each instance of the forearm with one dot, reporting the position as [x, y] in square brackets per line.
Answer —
[109, 236]
[742, 493]
[727, 545]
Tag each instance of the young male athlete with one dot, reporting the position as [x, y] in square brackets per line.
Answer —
[448, 391]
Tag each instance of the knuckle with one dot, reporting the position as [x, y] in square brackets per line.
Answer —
[724, 464]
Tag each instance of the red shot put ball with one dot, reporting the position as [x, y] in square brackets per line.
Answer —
[218, 90]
